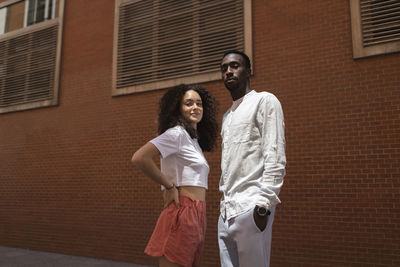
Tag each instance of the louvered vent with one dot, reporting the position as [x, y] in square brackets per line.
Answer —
[380, 20]
[159, 40]
[27, 67]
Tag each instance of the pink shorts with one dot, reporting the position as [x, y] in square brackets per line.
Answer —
[179, 233]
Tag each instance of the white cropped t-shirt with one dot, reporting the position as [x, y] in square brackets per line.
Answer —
[182, 160]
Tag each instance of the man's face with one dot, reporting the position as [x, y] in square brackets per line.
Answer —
[234, 72]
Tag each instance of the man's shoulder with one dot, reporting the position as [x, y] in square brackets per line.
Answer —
[226, 114]
[265, 96]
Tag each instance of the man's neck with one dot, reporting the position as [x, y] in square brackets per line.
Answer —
[237, 94]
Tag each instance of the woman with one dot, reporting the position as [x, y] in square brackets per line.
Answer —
[187, 126]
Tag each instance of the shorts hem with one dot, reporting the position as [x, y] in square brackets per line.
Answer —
[156, 255]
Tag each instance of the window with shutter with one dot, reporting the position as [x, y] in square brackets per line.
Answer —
[161, 43]
[29, 54]
[375, 27]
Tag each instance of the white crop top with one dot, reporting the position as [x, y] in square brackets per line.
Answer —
[182, 160]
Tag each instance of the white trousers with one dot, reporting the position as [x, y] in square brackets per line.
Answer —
[241, 242]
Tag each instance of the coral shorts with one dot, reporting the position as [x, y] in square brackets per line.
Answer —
[179, 233]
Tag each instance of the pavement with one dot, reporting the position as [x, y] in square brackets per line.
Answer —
[17, 257]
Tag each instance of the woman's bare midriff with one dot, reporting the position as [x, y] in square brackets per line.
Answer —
[193, 192]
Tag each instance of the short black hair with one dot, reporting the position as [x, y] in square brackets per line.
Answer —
[245, 57]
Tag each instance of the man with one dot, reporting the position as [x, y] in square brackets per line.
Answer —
[253, 166]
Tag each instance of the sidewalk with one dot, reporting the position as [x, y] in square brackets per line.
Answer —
[17, 257]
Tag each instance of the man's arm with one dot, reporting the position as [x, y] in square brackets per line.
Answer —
[272, 127]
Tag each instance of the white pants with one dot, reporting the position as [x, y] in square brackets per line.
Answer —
[241, 242]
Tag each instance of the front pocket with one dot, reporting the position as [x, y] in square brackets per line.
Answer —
[176, 223]
[255, 224]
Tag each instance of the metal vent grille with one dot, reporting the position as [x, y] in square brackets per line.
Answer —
[380, 20]
[167, 39]
[27, 67]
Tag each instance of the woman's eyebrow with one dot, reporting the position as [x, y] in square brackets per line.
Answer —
[191, 99]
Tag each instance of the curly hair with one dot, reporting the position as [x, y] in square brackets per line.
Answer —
[169, 115]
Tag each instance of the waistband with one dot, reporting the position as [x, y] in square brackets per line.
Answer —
[187, 201]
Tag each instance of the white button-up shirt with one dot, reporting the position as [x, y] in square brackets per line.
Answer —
[253, 154]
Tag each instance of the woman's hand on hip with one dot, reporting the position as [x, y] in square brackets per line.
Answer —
[170, 195]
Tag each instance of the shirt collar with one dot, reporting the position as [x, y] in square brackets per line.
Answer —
[237, 102]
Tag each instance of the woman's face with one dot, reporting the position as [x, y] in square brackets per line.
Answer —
[192, 107]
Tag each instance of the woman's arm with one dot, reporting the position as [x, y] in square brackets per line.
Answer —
[144, 160]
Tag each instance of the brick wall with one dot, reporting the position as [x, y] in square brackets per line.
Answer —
[67, 185]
